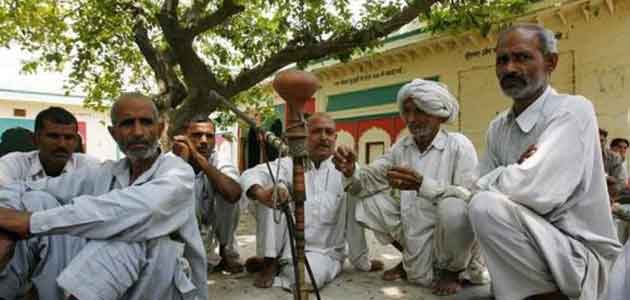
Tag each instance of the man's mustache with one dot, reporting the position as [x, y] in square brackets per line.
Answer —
[138, 142]
[512, 78]
[61, 151]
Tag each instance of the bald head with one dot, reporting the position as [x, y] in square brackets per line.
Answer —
[136, 98]
[319, 116]
[547, 42]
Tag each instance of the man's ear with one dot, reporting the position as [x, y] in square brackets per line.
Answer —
[551, 62]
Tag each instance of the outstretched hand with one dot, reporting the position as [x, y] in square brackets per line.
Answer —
[265, 195]
[344, 159]
[404, 179]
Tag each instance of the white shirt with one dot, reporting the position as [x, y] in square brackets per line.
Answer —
[205, 195]
[326, 217]
[448, 170]
[564, 180]
[26, 166]
[99, 203]
[447, 167]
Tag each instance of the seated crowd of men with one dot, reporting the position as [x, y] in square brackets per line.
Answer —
[533, 216]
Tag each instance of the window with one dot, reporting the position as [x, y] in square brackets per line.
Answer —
[18, 112]
[374, 150]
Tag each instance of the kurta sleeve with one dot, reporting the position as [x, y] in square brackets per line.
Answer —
[67, 186]
[464, 170]
[545, 180]
[260, 174]
[9, 167]
[139, 212]
[489, 160]
[372, 179]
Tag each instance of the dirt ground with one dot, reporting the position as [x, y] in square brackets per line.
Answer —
[350, 285]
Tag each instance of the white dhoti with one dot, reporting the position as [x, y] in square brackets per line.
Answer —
[619, 284]
[432, 235]
[224, 221]
[94, 270]
[527, 255]
[272, 240]
[325, 269]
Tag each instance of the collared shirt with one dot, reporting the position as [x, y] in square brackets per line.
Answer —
[100, 203]
[26, 166]
[564, 180]
[613, 165]
[205, 194]
[447, 167]
[326, 216]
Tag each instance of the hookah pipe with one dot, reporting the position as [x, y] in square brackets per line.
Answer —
[295, 87]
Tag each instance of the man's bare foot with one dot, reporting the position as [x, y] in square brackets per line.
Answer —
[395, 273]
[377, 265]
[264, 278]
[229, 263]
[254, 264]
[447, 284]
[7, 247]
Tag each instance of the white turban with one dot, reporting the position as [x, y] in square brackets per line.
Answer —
[431, 97]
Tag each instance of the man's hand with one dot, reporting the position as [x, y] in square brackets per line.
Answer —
[528, 153]
[613, 187]
[344, 160]
[7, 248]
[404, 179]
[265, 195]
[180, 148]
[15, 222]
[194, 155]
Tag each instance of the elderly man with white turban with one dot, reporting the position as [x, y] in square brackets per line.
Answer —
[433, 169]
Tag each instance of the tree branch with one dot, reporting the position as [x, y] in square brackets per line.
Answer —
[170, 7]
[227, 9]
[335, 45]
[197, 76]
[172, 91]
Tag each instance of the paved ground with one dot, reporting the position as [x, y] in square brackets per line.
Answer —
[351, 285]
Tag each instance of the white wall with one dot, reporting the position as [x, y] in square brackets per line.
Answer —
[99, 142]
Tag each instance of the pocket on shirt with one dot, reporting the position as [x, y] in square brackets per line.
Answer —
[330, 209]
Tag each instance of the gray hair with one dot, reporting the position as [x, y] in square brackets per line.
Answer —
[113, 113]
[546, 37]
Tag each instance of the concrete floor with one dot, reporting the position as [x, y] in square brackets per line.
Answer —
[351, 285]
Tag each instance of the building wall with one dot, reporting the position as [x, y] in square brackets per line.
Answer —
[98, 141]
[594, 62]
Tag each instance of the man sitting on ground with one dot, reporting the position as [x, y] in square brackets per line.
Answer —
[328, 215]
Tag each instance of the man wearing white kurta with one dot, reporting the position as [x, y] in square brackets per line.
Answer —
[542, 214]
[429, 224]
[328, 215]
[56, 137]
[216, 192]
[136, 217]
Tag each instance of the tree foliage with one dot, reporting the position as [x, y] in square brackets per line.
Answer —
[189, 54]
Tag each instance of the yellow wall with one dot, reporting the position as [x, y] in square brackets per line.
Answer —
[594, 62]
